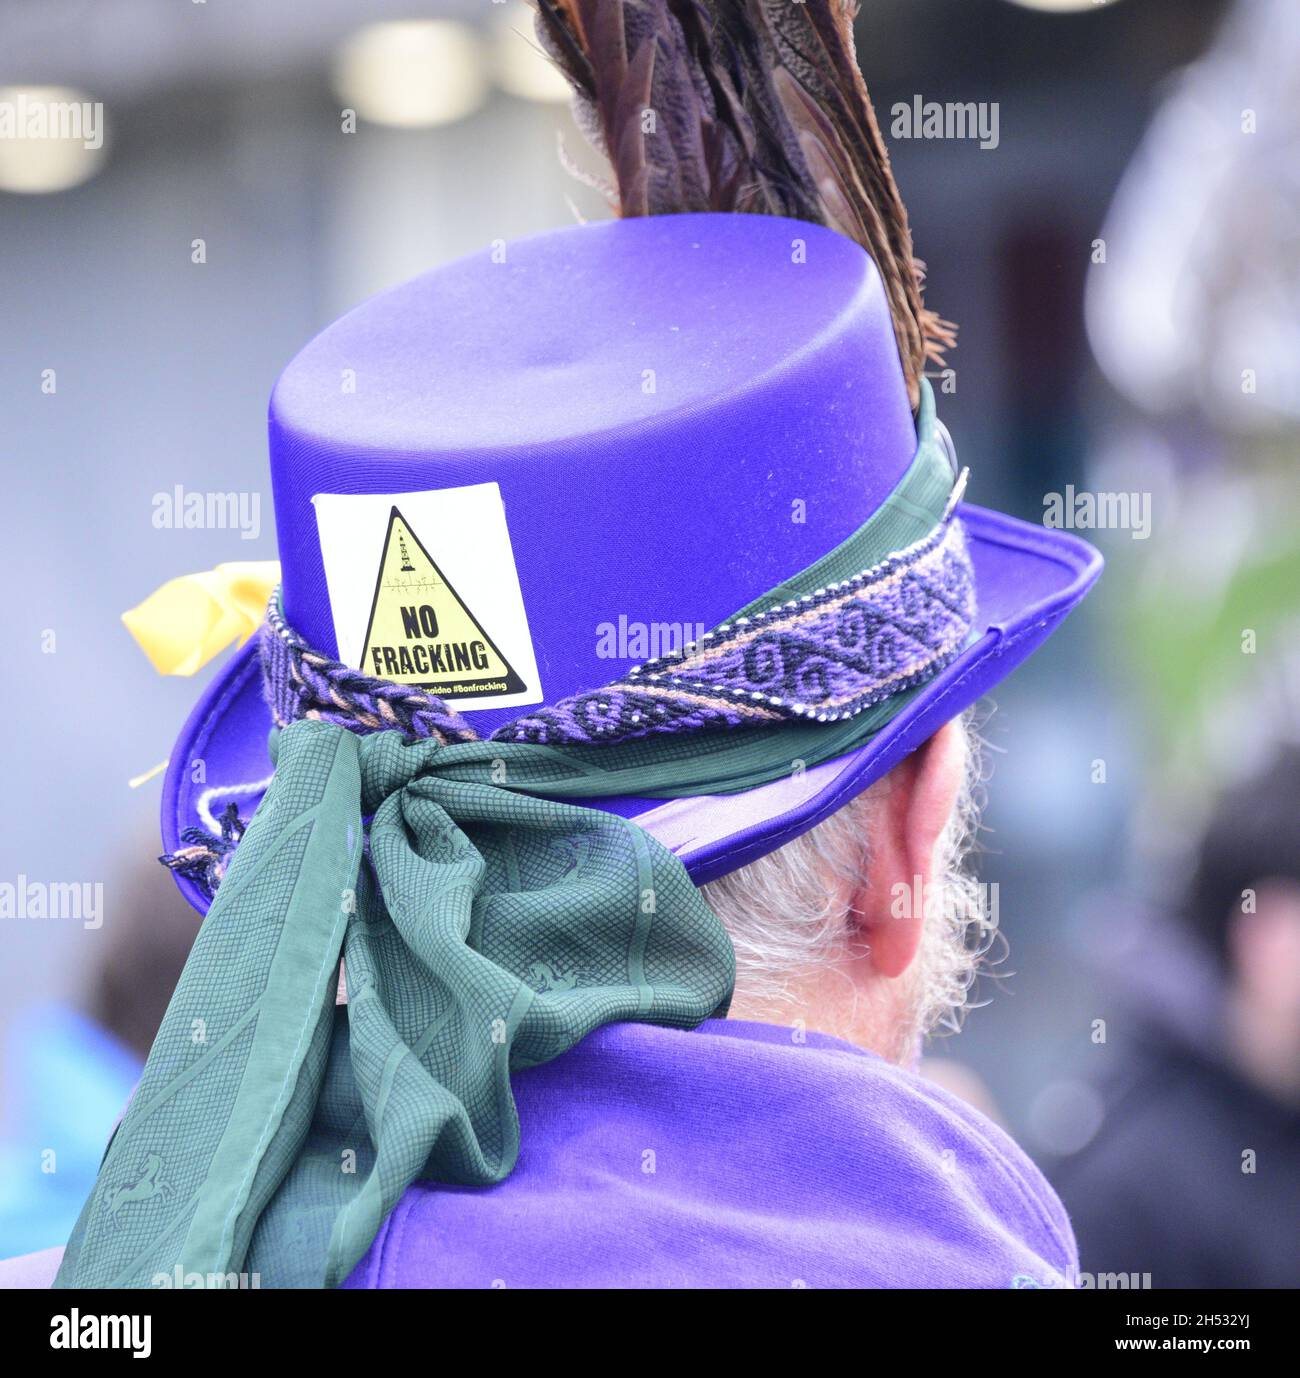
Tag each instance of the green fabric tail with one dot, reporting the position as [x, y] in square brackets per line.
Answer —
[509, 927]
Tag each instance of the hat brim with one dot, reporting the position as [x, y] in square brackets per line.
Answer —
[1027, 579]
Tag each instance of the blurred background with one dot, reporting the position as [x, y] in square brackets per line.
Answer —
[1125, 269]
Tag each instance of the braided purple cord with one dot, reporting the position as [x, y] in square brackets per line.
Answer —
[205, 856]
[301, 683]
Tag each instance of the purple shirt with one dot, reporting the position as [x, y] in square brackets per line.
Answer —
[739, 1155]
[734, 1156]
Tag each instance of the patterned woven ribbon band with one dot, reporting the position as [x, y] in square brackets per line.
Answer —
[825, 655]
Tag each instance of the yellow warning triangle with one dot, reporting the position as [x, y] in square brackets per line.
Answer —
[421, 632]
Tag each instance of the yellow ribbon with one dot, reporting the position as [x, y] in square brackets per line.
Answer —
[194, 617]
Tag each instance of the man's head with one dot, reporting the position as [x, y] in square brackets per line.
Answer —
[867, 926]
[1243, 900]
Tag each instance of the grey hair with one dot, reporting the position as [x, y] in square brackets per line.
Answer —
[786, 921]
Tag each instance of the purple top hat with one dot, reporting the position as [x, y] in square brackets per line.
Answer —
[580, 444]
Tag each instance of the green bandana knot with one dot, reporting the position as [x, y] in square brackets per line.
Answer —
[489, 930]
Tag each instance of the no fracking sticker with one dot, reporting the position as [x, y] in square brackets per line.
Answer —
[424, 591]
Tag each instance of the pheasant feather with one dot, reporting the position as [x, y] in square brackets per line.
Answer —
[752, 106]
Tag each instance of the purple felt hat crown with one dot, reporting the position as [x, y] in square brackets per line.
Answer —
[578, 443]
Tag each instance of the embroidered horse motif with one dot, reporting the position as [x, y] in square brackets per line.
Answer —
[543, 977]
[149, 1184]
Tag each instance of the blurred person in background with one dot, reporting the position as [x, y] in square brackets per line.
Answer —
[72, 1069]
[1194, 1176]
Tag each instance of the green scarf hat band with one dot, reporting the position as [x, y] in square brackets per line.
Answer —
[484, 925]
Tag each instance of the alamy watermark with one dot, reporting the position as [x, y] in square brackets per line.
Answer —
[931, 119]
[625, 640]
[1080, 510]
[219, 1282]
[30, 116]
[920, 898]
[77, 1329]
[1108, 1282]
[185, 509]
[56, 899]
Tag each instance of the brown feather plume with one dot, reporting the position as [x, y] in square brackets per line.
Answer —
[753, 106]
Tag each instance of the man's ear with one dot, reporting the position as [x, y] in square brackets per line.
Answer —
[913, 804]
